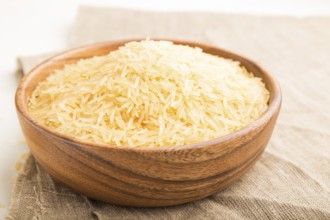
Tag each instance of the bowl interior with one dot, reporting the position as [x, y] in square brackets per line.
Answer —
[42, 71]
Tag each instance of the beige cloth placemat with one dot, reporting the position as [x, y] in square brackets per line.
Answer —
[292, 178]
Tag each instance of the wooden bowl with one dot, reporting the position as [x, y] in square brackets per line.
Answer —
[145, 177]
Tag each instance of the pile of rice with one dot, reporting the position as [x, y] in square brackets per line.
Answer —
[149, 94]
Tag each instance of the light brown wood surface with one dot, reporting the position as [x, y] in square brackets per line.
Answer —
[145, 177]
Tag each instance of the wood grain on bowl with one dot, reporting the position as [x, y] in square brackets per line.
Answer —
[145, 177]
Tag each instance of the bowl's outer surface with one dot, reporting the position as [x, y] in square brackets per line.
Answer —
[145, 177]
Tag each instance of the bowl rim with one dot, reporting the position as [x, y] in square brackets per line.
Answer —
[273, 106]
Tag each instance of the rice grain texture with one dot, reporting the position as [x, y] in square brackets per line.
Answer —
[149, 94]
